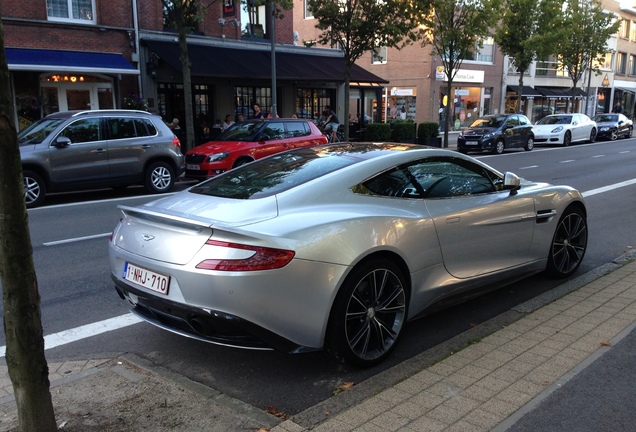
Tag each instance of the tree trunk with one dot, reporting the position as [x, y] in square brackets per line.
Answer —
[519, 91]
[447, 108]
[347, 94]
[26, 362]
[187, 91]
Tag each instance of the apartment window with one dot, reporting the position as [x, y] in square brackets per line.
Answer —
[632, 65]
[71, 10]
[607, 63]
[308, 13]
[485, 53]
[379, 55]
[632, 35]
[621, 63]
[623, 31]
[551, 66]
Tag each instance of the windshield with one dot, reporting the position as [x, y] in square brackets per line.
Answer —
[240, 132]
[489, 122]
[38, 131]
[551, 120]
[606, 118]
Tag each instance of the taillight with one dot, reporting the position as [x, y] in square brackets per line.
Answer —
[263, 258]
[176, 141]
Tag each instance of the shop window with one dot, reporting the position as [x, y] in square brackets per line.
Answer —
[310, 102]
[71, 10]
[246, 97]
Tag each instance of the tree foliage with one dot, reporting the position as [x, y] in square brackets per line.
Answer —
[455, 29]
[360, 26]
[584, 33]
[26, 362]
[527, 31]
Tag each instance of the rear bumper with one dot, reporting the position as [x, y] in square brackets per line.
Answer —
[201, 324]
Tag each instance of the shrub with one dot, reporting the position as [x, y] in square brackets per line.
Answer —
[402, 130]
[377, 132]
[427, 130]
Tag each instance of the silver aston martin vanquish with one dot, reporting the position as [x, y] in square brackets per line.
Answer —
[337, 246]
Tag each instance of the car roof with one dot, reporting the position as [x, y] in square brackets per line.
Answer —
[106, 112]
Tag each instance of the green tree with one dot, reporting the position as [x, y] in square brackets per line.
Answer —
[360, 26]
[585, 30]
[528, 31]
[183, 16]
[455, 29]
[26, 362]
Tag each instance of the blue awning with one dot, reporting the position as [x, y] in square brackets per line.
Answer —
[42, 60]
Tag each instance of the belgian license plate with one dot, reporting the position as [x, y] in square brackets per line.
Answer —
[472, 143]
[146, 278]
[193, 167]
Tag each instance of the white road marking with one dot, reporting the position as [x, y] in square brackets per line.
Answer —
[529, 167]
[568, 161]
[598, 156]
[609, 188]
[76, 239]
[85, 331]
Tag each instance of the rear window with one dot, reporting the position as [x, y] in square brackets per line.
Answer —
[130, 127]
[274, 174]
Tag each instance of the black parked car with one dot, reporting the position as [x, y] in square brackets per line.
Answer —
[613, 126]
[495, 133]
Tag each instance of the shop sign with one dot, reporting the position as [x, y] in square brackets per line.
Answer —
[402, 92]
[467, 76]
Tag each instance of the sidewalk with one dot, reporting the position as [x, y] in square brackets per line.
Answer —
[491, 384]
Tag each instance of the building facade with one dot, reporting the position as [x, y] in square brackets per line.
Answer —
[97, 54]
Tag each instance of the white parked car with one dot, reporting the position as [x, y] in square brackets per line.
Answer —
[564, 129]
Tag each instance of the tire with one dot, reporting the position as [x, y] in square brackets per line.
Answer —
[241, 161]
[500, 146]
[569, 244]
[529, 144]
[160, 177]
[614, 135]
[593, 135]
[630, 132]
[34, 189]
[567, 139]
[368, 314]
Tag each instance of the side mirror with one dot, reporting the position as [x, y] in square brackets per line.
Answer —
[61, 142]
[512, 182]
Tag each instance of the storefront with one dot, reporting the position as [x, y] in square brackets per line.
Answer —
[470, 99]
[399, 104]
[48, 81]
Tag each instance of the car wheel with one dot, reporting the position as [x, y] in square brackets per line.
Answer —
[567, 139]
[499, 147]
[368, 314]
[568, 244]
[529, 144]
[241, 161]
[593, 135]
[159, 177]
[34, 189]
[614, 135]
[630, 131]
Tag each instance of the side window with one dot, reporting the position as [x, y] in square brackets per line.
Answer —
[523, 120]
[450, 177]
[297, 129]
[84, 130]
[275, 130]
[144, 127]
[512, 121]
[121, 127]
[394, 183]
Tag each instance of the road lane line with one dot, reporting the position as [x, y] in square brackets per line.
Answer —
[609, 188]
[76, 239]
[73, 335]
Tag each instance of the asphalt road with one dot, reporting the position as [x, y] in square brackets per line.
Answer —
[76, 289]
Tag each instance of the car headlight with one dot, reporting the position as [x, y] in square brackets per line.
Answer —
[217, 157]
[489, 135]
[557, 129]
[605, 128]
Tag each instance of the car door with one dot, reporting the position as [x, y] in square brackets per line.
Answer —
[299, 135]
[271, 139]
[481, 228]
[132, 141]
[84, 159]
[512, 132]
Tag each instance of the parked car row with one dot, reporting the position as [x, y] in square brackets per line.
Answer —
[495, 133]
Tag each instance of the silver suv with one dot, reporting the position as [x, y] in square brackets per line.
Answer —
[76, 150]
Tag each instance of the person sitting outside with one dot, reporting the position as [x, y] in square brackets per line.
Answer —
[331, 123]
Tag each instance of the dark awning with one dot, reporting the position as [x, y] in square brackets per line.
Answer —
[42, 60]
[526, 91]
[560, 92]
[244, 64]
